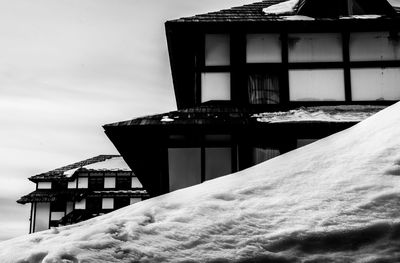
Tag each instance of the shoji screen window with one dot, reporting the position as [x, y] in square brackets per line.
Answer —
[316, 85]
[368, 84]
[315, 47]
[263, 48]
[215, 76]
[374, 46]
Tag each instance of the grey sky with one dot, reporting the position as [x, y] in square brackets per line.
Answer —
[66, 68]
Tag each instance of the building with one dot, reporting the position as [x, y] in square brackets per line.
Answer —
[232, 66]
[82, 190]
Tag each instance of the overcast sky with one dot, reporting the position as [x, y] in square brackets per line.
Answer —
[66, 68]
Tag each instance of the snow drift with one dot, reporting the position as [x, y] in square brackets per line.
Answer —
[336, 200]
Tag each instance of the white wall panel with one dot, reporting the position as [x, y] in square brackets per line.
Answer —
[263, 48]
[215, 86]
[375, 84]
[315, 47]
[44, 185]
[80, 204]
[135, 183]
[373, 46]
[134, 200]
[316, 85]
[72, 184]
[107, 203]
[109, 182]
[217, 50]
[42, 216]
[56, 215]
[184, 167]
[82, 182]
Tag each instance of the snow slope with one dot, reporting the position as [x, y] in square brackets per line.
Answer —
[336, 200]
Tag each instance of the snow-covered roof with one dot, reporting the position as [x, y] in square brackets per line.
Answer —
[335, 200]
[98, 163]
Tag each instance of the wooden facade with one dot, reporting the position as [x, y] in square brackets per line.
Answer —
[81, 191]
[230, 65]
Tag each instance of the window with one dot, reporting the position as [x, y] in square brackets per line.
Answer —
[184, 167]
[44, 185]
[263, 48]
[80, 204]
[107, 203]
[374, 46]
[72, 184]
[263, 154]
[215, 86]
[218, 162]
[109, 182]
[375, 84]
[82, 182]
[263, 88]
[315, 47]
[312, 85]
[217, 50]
[135, 200]
[135, 183]
[56, 215]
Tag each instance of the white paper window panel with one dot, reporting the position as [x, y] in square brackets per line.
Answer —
[135, 183]
[42, 216]
[107, 203]
[263, 154]
[72, 184]
[215, 86]
[263, 48]
[70, 207]
[109, 182]
[80, 204]
[304, 142]
[315, 47]
[218, 162]
[217, 50]
[375, 84]
[316, 85]
[82, 182]
[44, 185]
[56, 215]
[135, 200]
[373, 46]
[184, 166]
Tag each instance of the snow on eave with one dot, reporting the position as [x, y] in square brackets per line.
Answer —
[284, 8]
[111, 164]
[344, 113]
[361, 17]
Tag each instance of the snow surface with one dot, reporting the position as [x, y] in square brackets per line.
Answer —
[341, 113]
[335, 200]
[284, 8]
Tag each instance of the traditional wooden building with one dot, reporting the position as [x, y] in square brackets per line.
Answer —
[232, 66]
[82, 190]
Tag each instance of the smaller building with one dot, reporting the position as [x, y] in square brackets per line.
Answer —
[82, 190]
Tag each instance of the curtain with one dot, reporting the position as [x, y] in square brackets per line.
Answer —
[263, 89]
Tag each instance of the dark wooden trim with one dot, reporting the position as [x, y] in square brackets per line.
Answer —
[284, 91]
[346, 67]
[49, 214]
[316, 65]
[31, 219]
[34, 218]
[203, 164]
[375, 64]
